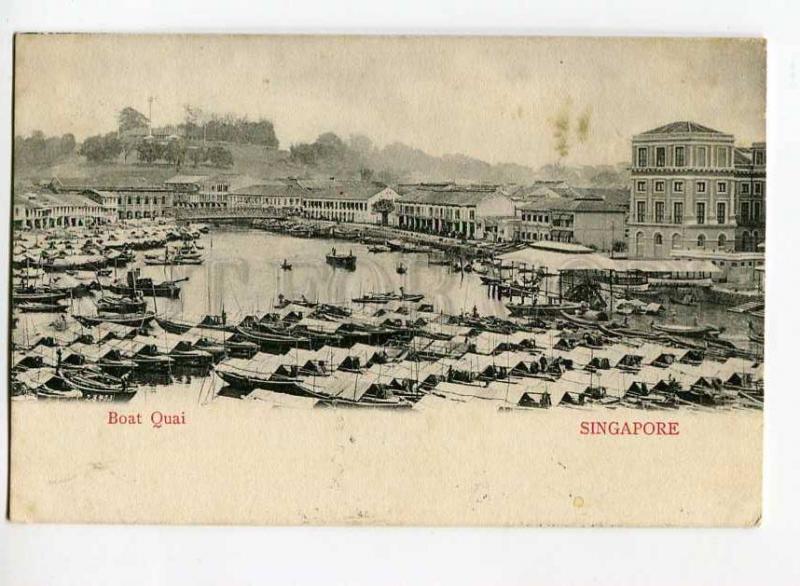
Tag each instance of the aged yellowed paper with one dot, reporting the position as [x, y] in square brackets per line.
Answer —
[387, 280]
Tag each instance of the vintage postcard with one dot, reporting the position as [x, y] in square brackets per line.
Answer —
[327, 280]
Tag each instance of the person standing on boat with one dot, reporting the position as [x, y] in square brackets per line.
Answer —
[58, 360]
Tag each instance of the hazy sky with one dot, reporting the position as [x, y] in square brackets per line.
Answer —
[495, 98]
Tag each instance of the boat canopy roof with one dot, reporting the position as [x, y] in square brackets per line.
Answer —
[320, 325]
[345, 385]
[105, 330]
[559, 261]
[36, 377]
[666, 265]
[216, 336]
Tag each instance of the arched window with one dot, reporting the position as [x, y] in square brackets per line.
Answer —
[658, 245]
[756, 239]
[639, 243]
[701, 241]
[746, 242]
[676, 240]
[721, 241]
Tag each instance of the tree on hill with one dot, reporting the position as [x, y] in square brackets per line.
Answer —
[129, 118]
[199, 125]
[175, 152]
[149, 151]
[101, 148]
[328, 148]
[38, 149]
[220, 156]
[196, 155]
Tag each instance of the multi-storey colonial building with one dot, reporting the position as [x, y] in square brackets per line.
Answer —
[454, 211]
[206, 191]
[122, 200]
[683, 190]
[349, 201]
[39, 209]
[280, 196]
[590, 221]
[751, 195]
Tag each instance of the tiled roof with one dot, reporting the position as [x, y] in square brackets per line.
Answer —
[572, 205]
[447, 196]
[617, 196]
[545, 204]
[742, 156]
[683, 127]
[272, 189]
[23, 200]
[354, 190]
[45, 199]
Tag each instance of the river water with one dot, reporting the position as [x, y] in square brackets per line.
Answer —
[242, 274]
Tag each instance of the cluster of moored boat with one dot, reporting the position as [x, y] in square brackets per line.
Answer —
[388, 350]
[399, 355]
[406, 355]
[48, 271]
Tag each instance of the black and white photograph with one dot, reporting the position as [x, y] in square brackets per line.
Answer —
[503, 281]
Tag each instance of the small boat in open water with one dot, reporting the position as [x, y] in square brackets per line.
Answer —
[343, 261]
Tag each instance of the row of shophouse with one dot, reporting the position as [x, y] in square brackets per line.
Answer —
[692, 189]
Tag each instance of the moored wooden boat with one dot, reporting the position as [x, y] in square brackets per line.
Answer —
[38, 295]
[273, 343]
[98, 386]
[540, 309]
[344, 261]
[121, 304]
[33, 307]
[686, 330]
[134, 284]
[126, 319]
